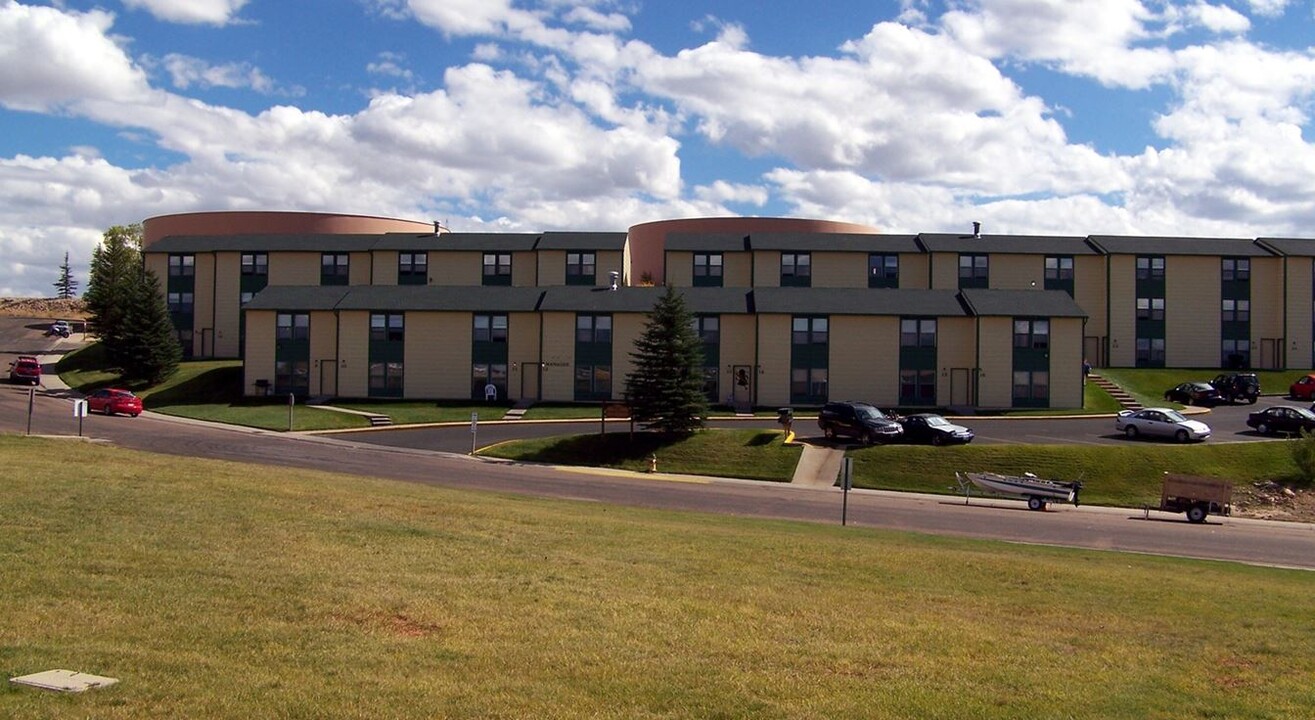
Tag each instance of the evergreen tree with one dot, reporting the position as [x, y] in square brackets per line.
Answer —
[66, 287]
[116, 268]
[151, 351]
[666, 388]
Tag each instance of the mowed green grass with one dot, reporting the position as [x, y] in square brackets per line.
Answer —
[223, 590]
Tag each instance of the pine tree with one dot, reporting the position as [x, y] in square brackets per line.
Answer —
[66, 287]
[151, 351]
[116, 268]
[666, 388]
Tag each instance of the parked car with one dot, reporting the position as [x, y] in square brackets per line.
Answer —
[1193, 393]
[25, 370]
[1160, 422]
[114, 401]
[933, 429]
[1282, 419]
[1237, 387]
[1303, 388]
[858, 420]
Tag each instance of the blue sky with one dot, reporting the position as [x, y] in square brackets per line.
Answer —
[1073, 117]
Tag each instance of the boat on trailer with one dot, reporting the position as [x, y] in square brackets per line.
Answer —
[1038, 492]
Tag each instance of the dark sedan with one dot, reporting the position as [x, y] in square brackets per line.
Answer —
[1193, 393]
[1282, 420]
[931, 429]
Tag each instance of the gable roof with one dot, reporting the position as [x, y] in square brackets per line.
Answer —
[837, 242]
[1007, 244]
[582, 241]
[1134, 245]
[1036, 303]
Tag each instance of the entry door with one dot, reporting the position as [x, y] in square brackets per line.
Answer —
[1092, 350]
[1269, 353]
[328, 376]
[961, 386]
[742, 384]
[530, 381]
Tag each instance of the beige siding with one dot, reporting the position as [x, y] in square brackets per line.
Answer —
[462, 269]
[1065, 362]
[558, 356]
[626, 328]
[956, 349]
[1017, 272]
[158, 263]
[325, 370]
[773, 378]
[1191, 311]
[766, 268]
[258, 356]
[1089, 292]
[354, 361]
[840, 269]
[607, 261]
[997, 357]
[1299, 307]
[437, 355]
[384, 270]
[680, 268]
[944, 271]
[524, 269]
[864, 359]
[739, 338]
[523, 355]
[1123, 310]
[203, 308]
[360, 268]
[737, 269]
[914, 269]
[294, 268]
[552, 267]
[1266, 304]
[228, 310]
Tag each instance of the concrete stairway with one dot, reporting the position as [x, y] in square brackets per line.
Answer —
[1116, 392]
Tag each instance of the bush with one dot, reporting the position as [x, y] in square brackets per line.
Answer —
[1303, 454]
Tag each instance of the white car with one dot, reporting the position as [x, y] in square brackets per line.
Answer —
[1160, 422]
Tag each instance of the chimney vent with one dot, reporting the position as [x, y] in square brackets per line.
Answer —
[616, 277]
[977, 230]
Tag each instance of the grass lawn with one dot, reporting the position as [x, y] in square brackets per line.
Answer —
[222, 590]
[1147, 385]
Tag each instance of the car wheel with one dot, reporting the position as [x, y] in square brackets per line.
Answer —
[937, 440]
[872, 438]
[1196, 514]
[1252, 399]
[1180, 436]
[829, 432]
[1262, 428]
[1131, 432]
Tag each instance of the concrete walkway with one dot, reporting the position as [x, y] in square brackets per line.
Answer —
[818, 467]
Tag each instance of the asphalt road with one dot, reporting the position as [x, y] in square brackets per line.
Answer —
[1250, 541]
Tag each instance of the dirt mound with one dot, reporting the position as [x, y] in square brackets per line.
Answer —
[53, 308]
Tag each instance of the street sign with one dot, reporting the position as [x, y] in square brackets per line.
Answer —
[79, 408]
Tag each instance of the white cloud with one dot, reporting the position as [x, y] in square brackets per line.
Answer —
[1218, 18]
[190, 12]
[186, 71]
[389, 65]
[594, 20]
[474, 17]
[1268, 8]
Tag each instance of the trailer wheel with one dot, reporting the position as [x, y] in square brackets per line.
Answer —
[1196, 514]
[1036, 503]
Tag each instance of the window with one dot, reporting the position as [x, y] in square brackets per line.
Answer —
[917, 387]
[1236, 269]
[708, 328]
[974, 271]
[917, 333]
[580, 268]
[387, 327]
[1032, 334]
[707, 269]
[292, 376]
[497, 268]
[413, 268]
[292, 326]
[182, 265]
[1031, 387]
[482, 374]
[796, 269]
[1236, 310]
[255, 263]
[1150, 352]
[180, 302]
[809, 331]
[1235, 354]
[1150, 268]
[386, 378]
[593, 328]
[808, 384]
[490, 328]
[593, 381]
[1059, 268]
[883, 270]
[711, 375]
[1150, 308]
[333, 268]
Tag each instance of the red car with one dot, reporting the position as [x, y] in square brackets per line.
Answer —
[1303, 388]
[26, 369]
[113, 401]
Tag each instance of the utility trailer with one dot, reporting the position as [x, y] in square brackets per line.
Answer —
[1196, 496]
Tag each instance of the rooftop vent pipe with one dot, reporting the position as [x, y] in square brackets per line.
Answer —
[977, 230]
[616, 277]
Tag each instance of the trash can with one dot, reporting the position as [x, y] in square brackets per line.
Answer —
[785, 415]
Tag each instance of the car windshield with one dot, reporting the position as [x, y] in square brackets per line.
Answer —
[1174, 416]
[867, 412]
[1304, 413]
[937, 421]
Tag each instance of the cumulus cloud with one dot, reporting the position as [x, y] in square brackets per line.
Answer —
[186, 71]
[190, 12]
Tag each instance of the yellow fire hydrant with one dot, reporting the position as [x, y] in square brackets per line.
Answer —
[652, 463]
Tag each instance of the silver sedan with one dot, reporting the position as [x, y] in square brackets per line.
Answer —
[1160, 422]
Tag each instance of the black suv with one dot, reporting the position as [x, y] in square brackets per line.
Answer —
[1234, 387]
[858, 420]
